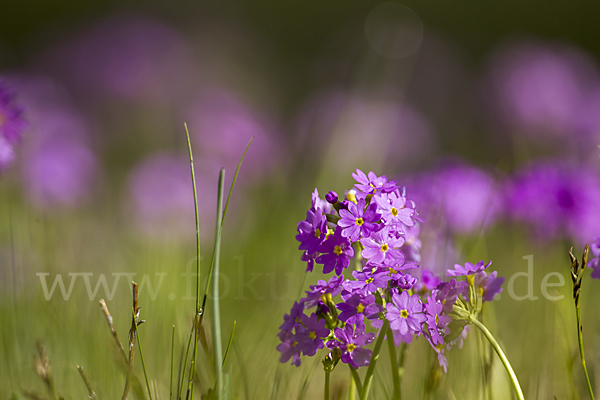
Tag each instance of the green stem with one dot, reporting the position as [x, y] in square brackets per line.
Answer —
[364, 394]
[357, 384]
[172, 359]
[216, 310]
[137, 335]
[394, 365]
[580, 338]
[505, 362]
[326, 394]
[195, 329]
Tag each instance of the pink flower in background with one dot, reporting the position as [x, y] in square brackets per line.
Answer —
[128, 56]
[12, 124]
[539, 87]
[160, 199]
[556, 200]
[221, 126]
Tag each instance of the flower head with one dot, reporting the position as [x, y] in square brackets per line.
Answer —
[312, 231]
[372, 183]
[351, 343]
[337, 251]
[468, 269]
[405, 313]
[357, 220]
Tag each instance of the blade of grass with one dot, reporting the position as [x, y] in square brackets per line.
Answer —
[172, 358]
[183, 367]
[229, 344]
[216, 306]
[198, 310]
[139, 342]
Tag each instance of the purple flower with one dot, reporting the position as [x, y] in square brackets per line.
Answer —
[394, 210]
[557, 200]
[332, 287]
[404, 281]
[437, 323]
[428, 281]
[12, 125]
[312, 231]
[405, 313]
[293, 318]
[372, 183]
[135, 58]
[310, 260]
[491, 284]
[289, 349]
[539, 87]
[310, 338]
[468, 269]
[319, 203]
[351, 343]
[357, 220]
[337, 251]
[331, 197]
[595, 262]
[447, 293]
[383, 247]
[356, 307]
[222, 124]
[59, 171]
[368, 280]
[160, 193]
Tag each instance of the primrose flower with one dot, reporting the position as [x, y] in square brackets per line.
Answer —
[437, 323]
[372, 183]
[351, 343]
[383, 247]
[291, 320]
[310, 339]
[332, 287]
[468, 269]
[357, 220]
[491, 284]
[428, 281]
[447, 293]
[312, 231]
[356, 307]
[394, 210]
[289, 349]
[405, 313]
[337, 252]
[368, 280]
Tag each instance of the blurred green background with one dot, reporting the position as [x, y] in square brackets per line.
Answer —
[508, 93]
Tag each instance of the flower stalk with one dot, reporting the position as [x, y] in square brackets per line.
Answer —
[503, 359]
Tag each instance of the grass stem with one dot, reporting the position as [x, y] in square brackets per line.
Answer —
[364, 394]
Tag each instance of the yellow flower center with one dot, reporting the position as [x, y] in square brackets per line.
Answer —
[360, 221]
[369, 280]
[437, 319]
[384, 247]
[360, 308]
[404, 314]
[312, 335]
[317, 232]
[351, 347]
[394, 211]
[337, 250]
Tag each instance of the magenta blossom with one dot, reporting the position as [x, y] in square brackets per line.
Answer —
[337, 251]
[357, 220]
[468, 269]
[351, 343]
[405, 313]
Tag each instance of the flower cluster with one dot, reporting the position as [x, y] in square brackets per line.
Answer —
[376, 226]
[12, 124]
